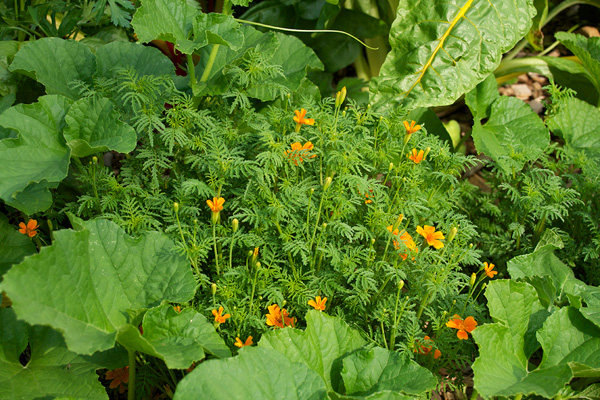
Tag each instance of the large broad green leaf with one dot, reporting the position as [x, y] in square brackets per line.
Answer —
[55, 63]
[170, 20]
[480, 99]
[587, 50]
[14, 246]
[52, 371]
[38, 156]
[86, 281]
[257, 373]
[441, 50]
[578, 123]
[512, 136]
[93, 125]
[288, 52]
[145, 60]
[219, 29]
[502, 366]
[320, 346]
[177, 338]
[370, 371]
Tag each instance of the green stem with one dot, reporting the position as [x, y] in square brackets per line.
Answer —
[231, 251]
[214, 232]
[422, 305]
[317, 223]
[253, 288]
[131, 384]
[209, 64]
[192, 72]
[393, 334]
[383, 335]
[306, 31]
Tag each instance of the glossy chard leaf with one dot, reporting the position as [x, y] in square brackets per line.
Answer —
[441, 50]
[52, 371]
[376, 370]
[38, 158]
[93, 126]
[513, 134]
[86, 281]
[578, 123]
[320, 346]
[177, 338]
[55, 63]
[257, 373]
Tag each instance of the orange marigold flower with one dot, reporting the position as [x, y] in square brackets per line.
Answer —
[432, 237]
[416, 157]
[299, 152]
[468, 325]
[301, 119]
[278, 318]
[219, 317]
[412, 128]
[426, 347]
[240, 344]
[406, 239]
[488, 269]
[216, 204]
[177, 308]
[318, 303]
[30, 228]
[118, 377]
[367, 195]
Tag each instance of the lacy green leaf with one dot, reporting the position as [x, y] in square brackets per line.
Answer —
[320, 346]
[145, 60]
[86, 281]
[513, 135]
[257, 373]
[578, 123]
[170, 20]
[38, 158]
[370, 371]
[441, 50]
[53, 370]
[93, 126]
[55, 63]
[14, 246]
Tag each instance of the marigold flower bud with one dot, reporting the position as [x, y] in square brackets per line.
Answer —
[235, 223]
[473, 278]
[400, 284]
[250, 253]
[213, 288]
[95, 160]
[324, 225]
[327, 183]
[340, 97]
[176, 206]
[312, 190]
[398, 221]
[254, 255]
[391, 166]
[451, 234]
[427, 150]
[258, 265]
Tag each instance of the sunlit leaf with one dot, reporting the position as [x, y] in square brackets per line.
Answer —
[85, 282]
[441, 50]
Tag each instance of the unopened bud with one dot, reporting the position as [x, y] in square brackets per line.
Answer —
[451, 234]
[176, 206]
[50, 225]
[95, 160]
[473, 278]
[235, 224]
[284, 303]
[260, 297]
[372, 241]
[324, 225]
[327, 183]
[254, 255]
[400, 284]
[391, 166]
[312, 190]
[427, 150]
[213, 288]
[340, 97]
[398, 221]
[470, 245]
[258, 265]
